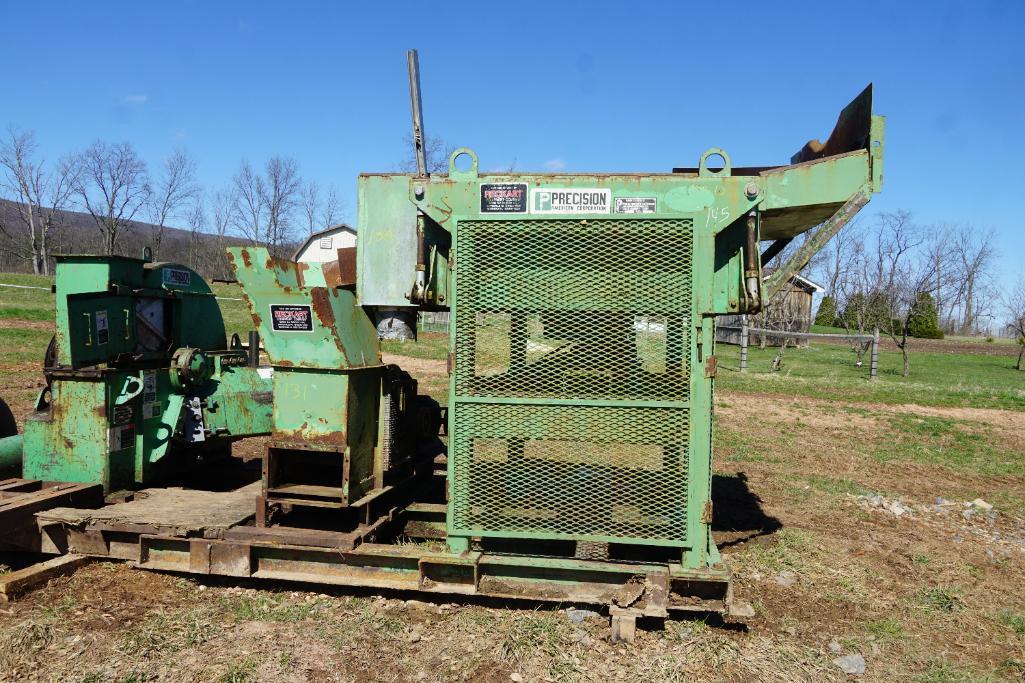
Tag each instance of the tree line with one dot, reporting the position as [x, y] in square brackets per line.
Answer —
[910, 280]
[128, 204]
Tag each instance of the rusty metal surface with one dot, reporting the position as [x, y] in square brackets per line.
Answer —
[347, 267]
[852, 131]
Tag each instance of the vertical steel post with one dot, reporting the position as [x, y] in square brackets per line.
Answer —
[413, 63]
[743, 343]
[874, 362]
[254, 349]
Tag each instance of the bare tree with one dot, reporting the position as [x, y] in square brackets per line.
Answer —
[222, 211]
[784, 313]
[975, 254]
[319, 210]
[859, 315]
[247, 208]
[888, 269]
[1014, 304]
[40, 193]
[175, 192]
[309, 201]
[938, 249]
[112, 186]
[265, 205]
[895, 271]
[281, 197]
[436, 153]
[195, 218]
[837, 256]
[331, 209]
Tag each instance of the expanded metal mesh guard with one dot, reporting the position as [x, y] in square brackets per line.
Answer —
[595, 309]
[550, 312]
[577, 471]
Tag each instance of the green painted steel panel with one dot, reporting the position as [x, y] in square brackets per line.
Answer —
[302, 322]
[70, 442]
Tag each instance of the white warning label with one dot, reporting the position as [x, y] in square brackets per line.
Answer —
[149, 386]
[102, 329]
[121, 438]
[151, 410]
[546, 200]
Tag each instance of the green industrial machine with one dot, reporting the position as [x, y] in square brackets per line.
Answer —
[343, 422]
[581, 362]
[140, 377]
[583, 308]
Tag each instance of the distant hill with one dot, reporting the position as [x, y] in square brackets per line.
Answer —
[78, 234]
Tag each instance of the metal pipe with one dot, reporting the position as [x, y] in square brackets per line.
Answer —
[10, 455]
[413, 62]
[254, 349]
[752, 282]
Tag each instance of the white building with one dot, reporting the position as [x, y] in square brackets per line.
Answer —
[324, 245]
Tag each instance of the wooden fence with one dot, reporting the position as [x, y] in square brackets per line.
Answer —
[745, 331]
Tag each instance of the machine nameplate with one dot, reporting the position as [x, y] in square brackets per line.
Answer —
[503, 198]
[291, 318]
[636, 205]
[177, 277]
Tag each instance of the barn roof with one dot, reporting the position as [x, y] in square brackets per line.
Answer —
[339, 227]
[797, 279]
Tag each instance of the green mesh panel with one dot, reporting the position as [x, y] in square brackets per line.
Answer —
[595, 309]
[571, 310]
[574, 471]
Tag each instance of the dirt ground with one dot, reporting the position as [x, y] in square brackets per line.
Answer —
[841, 553]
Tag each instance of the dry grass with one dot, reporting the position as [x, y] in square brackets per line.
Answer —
[926, 596]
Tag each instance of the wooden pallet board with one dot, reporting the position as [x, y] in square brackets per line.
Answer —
[170, 511]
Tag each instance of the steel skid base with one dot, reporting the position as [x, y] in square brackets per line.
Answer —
[403, 548]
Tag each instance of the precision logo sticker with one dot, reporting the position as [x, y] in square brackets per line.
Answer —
[546, 201]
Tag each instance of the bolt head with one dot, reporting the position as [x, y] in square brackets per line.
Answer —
[418, 190]
[751, 190]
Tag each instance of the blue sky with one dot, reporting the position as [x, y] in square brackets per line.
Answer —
[587, 86]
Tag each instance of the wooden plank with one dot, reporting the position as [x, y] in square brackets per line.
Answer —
[18, 582]
[185, 511]
[283, 535]
[427, 508]
[308, 491]
[20, 485]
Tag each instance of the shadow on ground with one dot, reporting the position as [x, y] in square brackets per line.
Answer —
[737, 514]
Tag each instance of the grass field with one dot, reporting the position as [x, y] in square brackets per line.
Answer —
[841, 503]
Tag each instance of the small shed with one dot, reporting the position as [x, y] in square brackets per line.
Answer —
[788, 310]
[323, 246]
